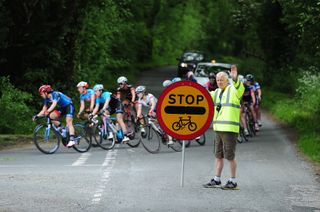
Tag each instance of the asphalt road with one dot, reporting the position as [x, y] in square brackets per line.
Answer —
[271, 176]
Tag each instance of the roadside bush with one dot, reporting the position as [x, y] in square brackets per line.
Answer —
[15, 113]
[308, 90]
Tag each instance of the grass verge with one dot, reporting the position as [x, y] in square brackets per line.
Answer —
[289, 111]
[14, 140]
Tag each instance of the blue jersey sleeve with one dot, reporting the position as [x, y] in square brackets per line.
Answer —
[87, 97]
[103, 98]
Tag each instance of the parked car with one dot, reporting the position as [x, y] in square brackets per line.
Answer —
[202, 70]
[188, 61]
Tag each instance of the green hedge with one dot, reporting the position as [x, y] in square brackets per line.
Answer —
[294, 111]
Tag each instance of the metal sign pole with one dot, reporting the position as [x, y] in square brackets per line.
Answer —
[182, 164]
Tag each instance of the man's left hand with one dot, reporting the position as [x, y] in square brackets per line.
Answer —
[234, 72]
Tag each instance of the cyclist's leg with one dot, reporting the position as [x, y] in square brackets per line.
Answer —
[54, 116]
[69, 112]
[118, 109]
[126, 106]
[243, 120]
[254, 116]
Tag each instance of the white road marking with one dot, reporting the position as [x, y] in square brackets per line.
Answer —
[82, 159]
[108, 163]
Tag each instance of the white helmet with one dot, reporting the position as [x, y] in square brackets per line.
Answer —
[98, 87]
[140, 89]
[83, 84]
[122, 79]
[166, 83]
[176, 79]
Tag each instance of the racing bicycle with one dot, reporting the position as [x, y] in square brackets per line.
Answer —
[47, 137]
[154, 136]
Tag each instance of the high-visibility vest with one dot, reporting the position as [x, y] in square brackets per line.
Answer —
[228, 118]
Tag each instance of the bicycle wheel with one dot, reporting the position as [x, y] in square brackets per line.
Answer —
[46, 139]
[176, 126]
[252, 126]
[136, 125]
[134, 140]
[90, 131]
[83, 138]
[177, 145]
[248, 125]
[202, 139]
[102, 139]
[151, 140]
[192, 126]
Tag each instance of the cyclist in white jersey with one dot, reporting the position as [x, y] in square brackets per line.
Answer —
[149, 101]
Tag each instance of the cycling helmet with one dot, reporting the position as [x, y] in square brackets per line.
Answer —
[45, 89]
[140, 89]
[122, 79]
[212, 75]
[176, 79]
[98, 87]
[83, 84]
[166, 83]
[250, 77]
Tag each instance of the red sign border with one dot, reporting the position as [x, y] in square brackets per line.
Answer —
[209, 119]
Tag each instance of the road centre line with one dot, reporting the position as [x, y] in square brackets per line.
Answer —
[108, 164]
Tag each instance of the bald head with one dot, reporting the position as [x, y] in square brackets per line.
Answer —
[222, 80]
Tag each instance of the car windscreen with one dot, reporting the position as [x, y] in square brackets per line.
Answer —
[204, 70]
[191, 56]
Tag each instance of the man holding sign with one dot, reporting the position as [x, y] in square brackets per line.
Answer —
[226, 124]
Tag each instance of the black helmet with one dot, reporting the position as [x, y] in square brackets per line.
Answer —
[250, 77]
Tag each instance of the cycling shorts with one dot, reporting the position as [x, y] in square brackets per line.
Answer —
[68, 111]
[115, 106]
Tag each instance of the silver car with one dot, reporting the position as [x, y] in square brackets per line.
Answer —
[202, 71]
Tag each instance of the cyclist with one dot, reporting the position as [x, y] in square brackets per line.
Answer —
[86, 96]
[166, 83]
[257, 91]
[248, 97]
[211, 85]
[65, 108]
[149, 101]
[126, 92]
[107, 104]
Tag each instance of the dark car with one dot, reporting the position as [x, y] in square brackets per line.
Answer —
[188, 61]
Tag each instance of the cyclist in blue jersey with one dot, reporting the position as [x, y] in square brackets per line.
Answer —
[249, 98]
[257, 92]
[107, 104]
[66, 108]
[86, 96]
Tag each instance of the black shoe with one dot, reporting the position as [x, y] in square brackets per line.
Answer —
[213, 184]
[230, 186]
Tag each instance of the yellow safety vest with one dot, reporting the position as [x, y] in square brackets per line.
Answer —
[228, 118]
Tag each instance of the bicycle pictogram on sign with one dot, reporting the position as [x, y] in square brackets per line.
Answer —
[179, 125]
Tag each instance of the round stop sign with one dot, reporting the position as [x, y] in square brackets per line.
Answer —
[185, 110]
